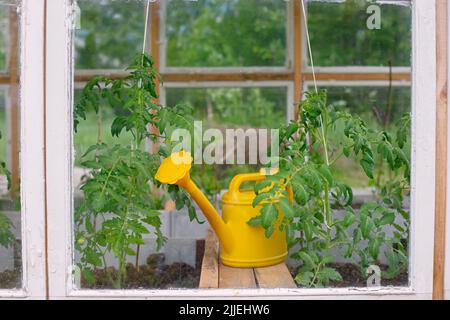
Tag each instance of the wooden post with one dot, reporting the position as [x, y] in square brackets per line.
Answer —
[298, 80]
[154, 50]
[154, 35]
[441, 148]
[14, 100]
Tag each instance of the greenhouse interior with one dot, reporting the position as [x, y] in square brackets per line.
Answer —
[190, 149]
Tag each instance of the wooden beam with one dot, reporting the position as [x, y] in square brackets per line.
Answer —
[5, 78]
[298, 80]
[86, 75]
[358, 76]
[242, 76]
[14, 100]
[441, 148]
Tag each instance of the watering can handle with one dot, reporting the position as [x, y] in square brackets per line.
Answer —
[239, 179]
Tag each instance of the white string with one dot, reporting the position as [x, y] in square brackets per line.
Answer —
[314, 77]
[145, 28]
[144, 42]
[309, 46]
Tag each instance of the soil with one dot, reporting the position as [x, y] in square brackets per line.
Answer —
[10, 279]
[352, 276]
[155, 274]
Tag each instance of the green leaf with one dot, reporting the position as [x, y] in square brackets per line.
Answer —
[89, 276]
[262, 185]
[304, 278]
[330, 274]
[269, 231]
[349, 218]
[117, 126]
[326, 173]
[300, 194]
[255, 221]
[286, 208]
[260, 197]
[307, 260]
[388, 218]
[269, 215]
[93, 258]
[374, 247]
[366, 225]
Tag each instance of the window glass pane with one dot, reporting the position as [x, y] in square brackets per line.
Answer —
[228, 108]
[336, 26]
[10, 228]
[263, 107]
[110, 34]
[231, 33]
[379, 108]
[370, 246]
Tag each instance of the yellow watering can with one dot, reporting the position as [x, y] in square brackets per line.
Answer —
[241, 245]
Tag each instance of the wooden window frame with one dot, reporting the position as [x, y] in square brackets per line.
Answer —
[59, 87]
[31, 102]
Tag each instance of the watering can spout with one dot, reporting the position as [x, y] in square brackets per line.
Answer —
[175, 170]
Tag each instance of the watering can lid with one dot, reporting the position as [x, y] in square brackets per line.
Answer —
[174, 167]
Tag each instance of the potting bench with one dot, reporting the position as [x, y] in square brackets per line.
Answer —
[216, 275]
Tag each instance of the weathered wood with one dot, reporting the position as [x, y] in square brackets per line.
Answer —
[441, 148]
[240, 278]
[215, 274]
[14, 115]
[82, 76]
[209, 277]
[358, 76]
[298, 80]
[277, 276]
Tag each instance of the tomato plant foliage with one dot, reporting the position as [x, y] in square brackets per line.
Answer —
[118, 205]
[322, 217]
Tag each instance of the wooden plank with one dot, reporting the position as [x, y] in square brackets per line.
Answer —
[441, 148]
[236, 278]
[277, 276]
[209, 277]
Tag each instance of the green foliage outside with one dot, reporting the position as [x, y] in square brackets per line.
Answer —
[339, 35]
[3, 35]
[215, 33]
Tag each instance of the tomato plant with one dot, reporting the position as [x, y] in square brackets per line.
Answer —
[118, 205]
[6, 235]
[322, 217]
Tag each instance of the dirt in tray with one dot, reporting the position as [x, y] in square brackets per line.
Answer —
[155, 274]
[352, 276]
[10, 279]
